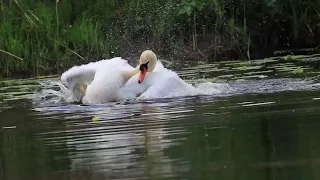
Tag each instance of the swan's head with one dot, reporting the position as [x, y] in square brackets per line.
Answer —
[147, 62]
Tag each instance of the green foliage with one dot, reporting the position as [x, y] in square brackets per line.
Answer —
[190, 7]
[299, 70]
[51, 37]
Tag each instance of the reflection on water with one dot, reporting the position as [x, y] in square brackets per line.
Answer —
[111, 146]
[261, 129]
[270, 136]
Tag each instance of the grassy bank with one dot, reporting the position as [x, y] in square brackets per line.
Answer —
[43, 37]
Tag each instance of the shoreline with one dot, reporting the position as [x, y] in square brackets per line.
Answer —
[282, 59]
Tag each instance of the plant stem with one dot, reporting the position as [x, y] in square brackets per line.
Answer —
[6, 52]
[57, 17]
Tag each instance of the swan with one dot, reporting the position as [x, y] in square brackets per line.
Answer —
[102, 81]
[116, 80]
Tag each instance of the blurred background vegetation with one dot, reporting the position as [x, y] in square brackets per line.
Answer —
[46, 36]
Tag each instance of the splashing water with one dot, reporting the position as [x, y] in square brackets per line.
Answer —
[52, 93]
[56, 93]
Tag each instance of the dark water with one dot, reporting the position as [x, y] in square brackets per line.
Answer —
[264, 129]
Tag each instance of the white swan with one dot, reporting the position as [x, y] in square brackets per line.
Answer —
[116, 80]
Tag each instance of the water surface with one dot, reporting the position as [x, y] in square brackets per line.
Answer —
[265, 126]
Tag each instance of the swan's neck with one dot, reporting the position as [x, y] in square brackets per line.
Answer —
[152, 65]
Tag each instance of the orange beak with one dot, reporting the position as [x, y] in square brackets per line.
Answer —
[142, 75]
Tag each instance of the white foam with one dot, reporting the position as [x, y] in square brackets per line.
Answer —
[54, 92]
[210, 88]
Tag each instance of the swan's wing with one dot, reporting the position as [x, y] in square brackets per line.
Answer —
[78, 74]
[123, 65]
[86, 73]
[78, 78]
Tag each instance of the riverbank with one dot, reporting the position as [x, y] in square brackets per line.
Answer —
[41, 38]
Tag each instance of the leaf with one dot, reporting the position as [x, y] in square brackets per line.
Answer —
[201, 63]
[200, 6]
[138, 27]
[244, 67]
[193, 3]
[138, 18]
[188, 10]
[298, 70]
[95, 119]
[185, 3]
[288, 57]
[182, 11]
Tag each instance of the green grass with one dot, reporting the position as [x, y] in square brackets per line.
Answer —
[44, 37]
[32, 33]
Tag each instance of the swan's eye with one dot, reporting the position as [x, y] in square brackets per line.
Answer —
[144, 66]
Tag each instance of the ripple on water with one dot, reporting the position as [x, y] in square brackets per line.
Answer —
[157, 138]
[123, 143]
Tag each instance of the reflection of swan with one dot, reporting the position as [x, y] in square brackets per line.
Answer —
[121, 150]
[116, 80]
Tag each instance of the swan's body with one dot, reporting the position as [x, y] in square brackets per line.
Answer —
[116, 80]
[160, 83]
